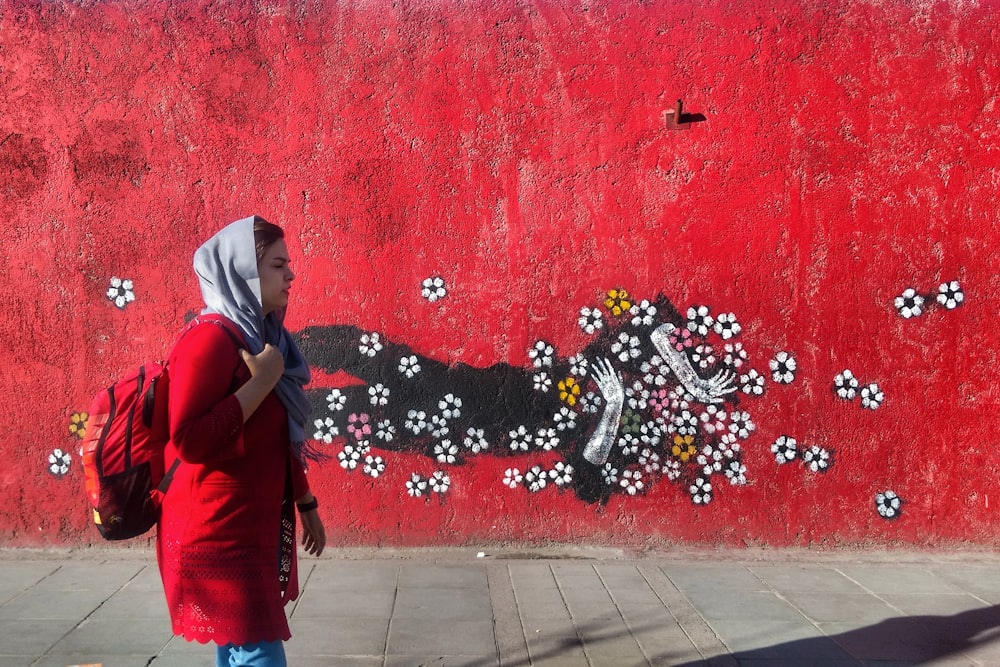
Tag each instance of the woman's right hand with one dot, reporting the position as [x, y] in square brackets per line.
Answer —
[265, 367]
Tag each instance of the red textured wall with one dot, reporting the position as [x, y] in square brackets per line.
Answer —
[841, 153]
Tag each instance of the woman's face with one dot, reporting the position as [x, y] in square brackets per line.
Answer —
[275, 277]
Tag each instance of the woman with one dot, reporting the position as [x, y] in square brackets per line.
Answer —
[226, 538]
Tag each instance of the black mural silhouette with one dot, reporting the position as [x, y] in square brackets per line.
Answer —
[628, 409]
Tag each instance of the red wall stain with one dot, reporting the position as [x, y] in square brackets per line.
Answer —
[519, 151]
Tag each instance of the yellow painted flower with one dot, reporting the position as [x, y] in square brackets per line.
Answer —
[78, 424]
[569, 389]
[617, 302]
[683, 447]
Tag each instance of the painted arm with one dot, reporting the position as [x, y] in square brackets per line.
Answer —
[608, 381]
[704, 390]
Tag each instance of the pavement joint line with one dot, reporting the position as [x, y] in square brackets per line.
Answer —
[628, 625]
[583, 645]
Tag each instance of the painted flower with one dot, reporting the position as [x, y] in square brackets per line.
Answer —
[610, 474]
[783, 368]
[681, 339]
[336, 400]
[475, 441]
[729, 445]
[629, 444]
[816, 458]
[416, 421]
[378, 394]
[649, 459]
[120, 292]
[569, 391]
[713, 419]
[888, 504]
[626, 347]
[578, 366]
[701, 491]
[325, 430]
[78, 424]
[950, 295]
[752, 383]
[543, 382]
[512, 478]
[737, 473]
[683, 423]
[535, 479]
[349, 457]
[680, 399]
[519, 439]
[655, 372]
[909, 303]
[416, 485]
[672, 469]
[784, 449]
[683, 447]
[650, 434]
[561, 474]
[358, 426]
[617, 302]
[385, 431]
[703, 356]
[637, 396]
[591, 320]
[433, 289]
[590, 403]
[440, 482]
[59, 462]
[450, 406]
[741, 425]
[727, 326]
[370, 345]
[871, 396]
[446, 452]
[541, 354]
[438, 426]
[546, 439]
[659, 401]
[631, 482]
[643, 314]
[699, 320]
[710, 460]
[631, 421]
[374, 466]
[409, 366]
[846, 385]
[736, 356]
[565, 419]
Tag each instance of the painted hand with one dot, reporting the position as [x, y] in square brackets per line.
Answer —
[715, 388]
[609, 382]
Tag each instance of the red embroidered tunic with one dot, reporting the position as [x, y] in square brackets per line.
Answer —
[219, 535]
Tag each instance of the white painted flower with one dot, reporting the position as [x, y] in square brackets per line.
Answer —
[433, 289]
[326, 430]
[349, 457]
[591, 320]
[737, 473]
[438, 426]
[703, 355]
[450, 406]
[475, 441]
[752, 383]
[336, 400]
[713, 419]
[610, 474]
[541, 354]
[736, 356]
[629, 444]
[512, 477]
[440, 482]
[565, 419]
[374, 466]
[519, 439]
[701, 491]
[561, 474]
[416, 485]
[888, 504]
[535, 479]
[546, 439]
[650, 434]
[710, 459]
[637, 396]
[785, 449]
[631, 482]
[643, 314]
[871, 396]
[626, 347]
[445, 452]
[672, 468]
[683, 423]
[59, 462]
[950, 295]
[385, 431]
[741, 425]
[783, 368]
[120, 292]
[909, 303]
[727, 326]
[370, 345]
[816, 458]
[699, 320]
[655, 372]
[409, 366]
[543, 381]
[378, 394]
[649, 459]
[578, 366]
[846, 385]
[416, 422]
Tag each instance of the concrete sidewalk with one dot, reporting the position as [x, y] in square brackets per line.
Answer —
[551, 607]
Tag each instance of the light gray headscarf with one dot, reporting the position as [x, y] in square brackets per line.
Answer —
[226, 266]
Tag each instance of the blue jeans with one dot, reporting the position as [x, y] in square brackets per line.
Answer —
[261, 654]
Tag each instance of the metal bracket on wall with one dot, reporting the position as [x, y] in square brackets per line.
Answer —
[676, 119]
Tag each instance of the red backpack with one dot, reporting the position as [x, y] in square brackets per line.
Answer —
[123, 447]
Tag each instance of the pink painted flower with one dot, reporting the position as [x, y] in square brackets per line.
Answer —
[681, 339]
[358, 426]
